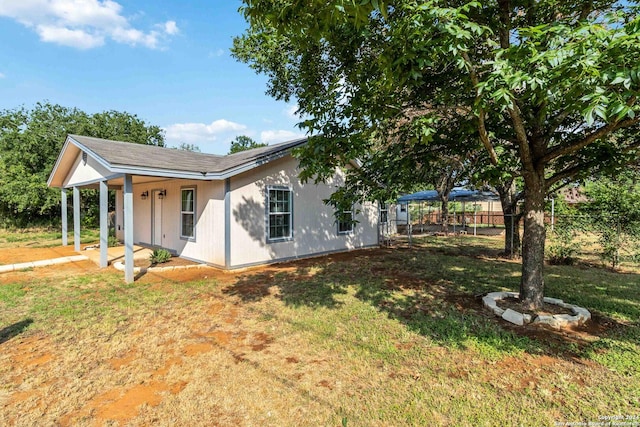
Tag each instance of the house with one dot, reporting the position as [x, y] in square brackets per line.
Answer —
[230, 212]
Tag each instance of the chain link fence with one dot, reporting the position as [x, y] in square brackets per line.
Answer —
[605, 238]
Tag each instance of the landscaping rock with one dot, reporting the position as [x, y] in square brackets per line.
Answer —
[513, 317]
[582, 314]
[543, 319]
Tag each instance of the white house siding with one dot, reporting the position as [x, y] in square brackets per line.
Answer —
[83, 172]
[314, 227]
[208, 245]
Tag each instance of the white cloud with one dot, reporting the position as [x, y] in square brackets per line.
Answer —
[2, 76]
[171, 28]
[291, 111]
[66, 37]
[199, 133]
[217, 53]
[275, 136]
[83, 24]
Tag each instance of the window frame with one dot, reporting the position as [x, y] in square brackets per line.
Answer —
[193, 213]
[269, 214]
[383, 207]
[351, 224]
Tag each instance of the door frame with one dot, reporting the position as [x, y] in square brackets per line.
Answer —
[155, 199]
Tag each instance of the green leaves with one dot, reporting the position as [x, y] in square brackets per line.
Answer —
[243, 143]
[30, 141]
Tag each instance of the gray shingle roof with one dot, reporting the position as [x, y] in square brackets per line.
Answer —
[119, 153]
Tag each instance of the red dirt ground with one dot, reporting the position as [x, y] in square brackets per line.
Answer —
[122, 404]
[18, 255]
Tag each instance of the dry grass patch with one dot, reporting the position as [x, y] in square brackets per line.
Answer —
[377, 337]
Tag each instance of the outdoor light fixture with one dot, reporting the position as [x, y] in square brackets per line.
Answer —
[162, 194]
[144, 195]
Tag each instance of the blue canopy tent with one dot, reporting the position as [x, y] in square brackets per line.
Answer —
[458, 194]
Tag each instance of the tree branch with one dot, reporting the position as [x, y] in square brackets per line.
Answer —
[594, 136]
[482, 129]
[573, 170]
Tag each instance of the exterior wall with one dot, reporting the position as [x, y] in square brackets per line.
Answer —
[314, 227]
[208, 245]
[83, 172]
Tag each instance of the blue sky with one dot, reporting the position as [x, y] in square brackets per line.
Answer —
[166, 61]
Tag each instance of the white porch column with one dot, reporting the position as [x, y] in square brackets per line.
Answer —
[128, 229]
[104, 224]
[76, 219]
[65, 227]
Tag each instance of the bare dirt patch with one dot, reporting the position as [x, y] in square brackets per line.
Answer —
[547, 309]
[19, 255]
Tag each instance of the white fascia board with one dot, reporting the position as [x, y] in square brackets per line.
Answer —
[58, 160]
[250, 165]
[102, 162]
[164, 173]
[94, 181]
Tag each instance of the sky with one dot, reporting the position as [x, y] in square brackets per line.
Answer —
[168, 62]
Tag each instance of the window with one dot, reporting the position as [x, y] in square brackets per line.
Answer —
[345, 222]
[384, 213]
[188, 213]
[403, 207]
[279, 212]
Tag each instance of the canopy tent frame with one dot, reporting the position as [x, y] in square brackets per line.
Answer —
[459, 194]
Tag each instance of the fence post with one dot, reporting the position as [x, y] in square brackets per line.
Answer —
[409, 222]
[475, 217]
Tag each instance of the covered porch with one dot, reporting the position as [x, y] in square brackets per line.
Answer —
[117, 253]
[80, 167]
[104, 255]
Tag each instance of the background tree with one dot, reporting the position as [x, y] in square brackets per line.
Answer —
[30, 141]
[612, 212]
[243, 143]
[188, 147]
[547, 83]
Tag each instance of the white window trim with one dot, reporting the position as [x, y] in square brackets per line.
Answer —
[182, 236]
[268, 214]
[351, 224]
[385, 209]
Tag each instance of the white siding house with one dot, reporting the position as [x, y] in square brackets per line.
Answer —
[229, 211]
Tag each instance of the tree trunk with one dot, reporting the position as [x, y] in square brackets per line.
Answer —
[533, 240]
[509, 202]
[444, 204]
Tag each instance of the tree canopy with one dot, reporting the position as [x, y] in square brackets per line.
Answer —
[243, 143]
[30, 141]
[550, 88]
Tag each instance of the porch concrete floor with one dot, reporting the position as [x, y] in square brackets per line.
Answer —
[116, 254]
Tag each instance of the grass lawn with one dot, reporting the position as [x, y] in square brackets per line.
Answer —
[42, 237]
[375, 337]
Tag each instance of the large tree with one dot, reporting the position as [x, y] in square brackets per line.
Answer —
[30, 141]
[547, 82]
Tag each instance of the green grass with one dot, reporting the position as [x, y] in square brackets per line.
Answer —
[400, 330]
[365, 308]
[42, 237]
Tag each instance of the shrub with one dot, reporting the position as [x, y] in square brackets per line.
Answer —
[113, 242]
[159, 256]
